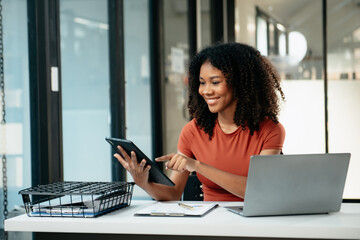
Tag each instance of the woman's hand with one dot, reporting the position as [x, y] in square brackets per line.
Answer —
[138, 171]
[178, 162]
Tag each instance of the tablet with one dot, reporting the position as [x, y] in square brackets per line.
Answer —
[155, 174]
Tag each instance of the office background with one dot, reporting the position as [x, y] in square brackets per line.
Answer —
[121, 70]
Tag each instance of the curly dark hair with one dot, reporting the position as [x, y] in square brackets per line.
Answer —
[253, 79]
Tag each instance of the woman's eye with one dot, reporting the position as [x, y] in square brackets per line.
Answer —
[202, 83]
[215, 83]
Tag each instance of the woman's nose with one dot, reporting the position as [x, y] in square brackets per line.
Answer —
[207, 89]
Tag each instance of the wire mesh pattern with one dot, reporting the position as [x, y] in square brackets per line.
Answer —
[76, 199]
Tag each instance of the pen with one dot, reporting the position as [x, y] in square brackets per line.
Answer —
[186, 206]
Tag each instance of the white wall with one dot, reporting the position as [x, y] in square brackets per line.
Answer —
[344, 130]
[303, 116]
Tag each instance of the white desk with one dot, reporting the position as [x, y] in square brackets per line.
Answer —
[218, 223]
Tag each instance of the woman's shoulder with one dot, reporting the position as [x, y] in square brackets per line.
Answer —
[273, 134]
[190, 126]
[269, 125]
[187, 135]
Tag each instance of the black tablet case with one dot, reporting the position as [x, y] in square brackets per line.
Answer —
[155, 174]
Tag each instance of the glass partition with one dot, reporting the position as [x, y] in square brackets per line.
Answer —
[15, 138]
[261, 35]
[176, 57]
[205, 29]
[292, 39]
[290, 34]
[85, 90]
[137, 75]
[344, 86]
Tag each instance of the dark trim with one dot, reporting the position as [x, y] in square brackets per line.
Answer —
[45, 105]
[287, 40]
[276, 40]
[351, 201]
[268, 36]
[117, 81]
[56, 100]
[256, 27]
[114, 236]
[324, 14]
[216, 21]
[156, 75]
[230, 20]
[192, 27]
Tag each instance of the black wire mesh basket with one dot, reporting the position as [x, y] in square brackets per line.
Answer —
[76, 199]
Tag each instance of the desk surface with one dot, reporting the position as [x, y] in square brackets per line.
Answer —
[219, 222]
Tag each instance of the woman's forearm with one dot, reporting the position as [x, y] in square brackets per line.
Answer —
[232, 183]
[162, 192]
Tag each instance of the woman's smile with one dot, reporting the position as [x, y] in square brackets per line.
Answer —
[211, 101]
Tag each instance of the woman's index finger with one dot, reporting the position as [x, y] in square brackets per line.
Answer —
[165, 157]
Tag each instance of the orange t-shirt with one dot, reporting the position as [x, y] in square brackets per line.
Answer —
[228, 152]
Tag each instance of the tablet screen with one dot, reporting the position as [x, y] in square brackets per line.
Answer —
[155, 174]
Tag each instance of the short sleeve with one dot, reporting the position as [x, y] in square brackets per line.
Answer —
[185, 139]
[274, 136]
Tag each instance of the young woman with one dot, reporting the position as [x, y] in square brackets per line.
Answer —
[234, 95]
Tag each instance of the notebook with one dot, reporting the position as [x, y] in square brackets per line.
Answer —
[177, 209]
[294, 184]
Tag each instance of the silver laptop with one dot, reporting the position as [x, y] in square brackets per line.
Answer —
[294, 184]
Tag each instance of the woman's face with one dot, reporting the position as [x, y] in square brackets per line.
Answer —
[214, 89]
